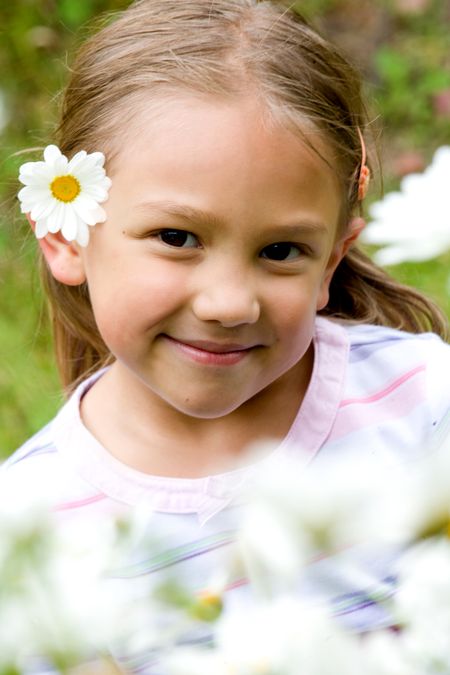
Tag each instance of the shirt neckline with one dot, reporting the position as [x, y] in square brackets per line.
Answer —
[207, 495]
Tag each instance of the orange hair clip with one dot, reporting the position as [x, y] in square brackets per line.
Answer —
[364, 172]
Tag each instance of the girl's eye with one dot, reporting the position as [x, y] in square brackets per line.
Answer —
[178, 238]
[282, 250]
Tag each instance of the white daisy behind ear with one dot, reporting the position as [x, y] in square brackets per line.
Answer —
[65, 196]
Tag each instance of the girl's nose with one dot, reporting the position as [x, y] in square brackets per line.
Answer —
[227, 300]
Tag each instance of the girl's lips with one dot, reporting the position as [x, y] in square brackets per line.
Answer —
[212, 353]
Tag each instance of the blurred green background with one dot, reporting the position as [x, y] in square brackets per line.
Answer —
[401, 46]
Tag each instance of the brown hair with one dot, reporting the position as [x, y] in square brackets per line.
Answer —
[224, 48]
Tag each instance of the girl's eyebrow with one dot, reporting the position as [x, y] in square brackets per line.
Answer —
[205, 218]
[189, 213]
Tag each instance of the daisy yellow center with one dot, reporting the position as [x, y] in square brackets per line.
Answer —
[65, 188]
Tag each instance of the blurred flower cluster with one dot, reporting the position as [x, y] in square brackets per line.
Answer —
[57, 604]
[413, 224]
[55, 609]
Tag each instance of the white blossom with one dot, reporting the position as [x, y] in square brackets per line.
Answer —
[286, 636]
[296, 514]
[65, 196]
[422, 606]
[414, 223]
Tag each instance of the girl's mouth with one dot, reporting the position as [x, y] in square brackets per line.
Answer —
[212, 353]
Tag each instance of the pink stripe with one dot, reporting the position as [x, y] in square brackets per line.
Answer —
[383, 410]
[82, 502]
[384, 392]
[237, 584]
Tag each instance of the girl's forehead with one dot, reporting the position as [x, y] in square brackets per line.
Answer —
[226, 158]
[192, 125]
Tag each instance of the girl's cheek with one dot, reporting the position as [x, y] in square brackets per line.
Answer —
[133, 301]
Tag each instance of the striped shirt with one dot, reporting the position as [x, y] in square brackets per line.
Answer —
[373, 390]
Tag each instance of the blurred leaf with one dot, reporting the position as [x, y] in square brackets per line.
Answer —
[74, 12]
[393, 67]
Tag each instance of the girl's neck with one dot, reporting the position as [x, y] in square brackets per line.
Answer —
[141, 430]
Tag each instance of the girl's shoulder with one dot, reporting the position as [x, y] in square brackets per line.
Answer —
[32, 472]
[393, 392]
[39, 445]
[369, 334]
[400, 364]
[382, 361]
[41, 466]
[380, 346]
[366, 341]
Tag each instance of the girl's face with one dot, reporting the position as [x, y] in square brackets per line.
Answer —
[218, 250]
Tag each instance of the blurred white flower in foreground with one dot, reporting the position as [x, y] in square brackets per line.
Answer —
[54, 597]
[414, 223]
[385, 654]
[421, 508]
[287, 636]
[284, 636]
[295, 516]
[65, 594]
[422, 608]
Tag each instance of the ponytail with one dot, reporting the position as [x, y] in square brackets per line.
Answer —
[362, 292]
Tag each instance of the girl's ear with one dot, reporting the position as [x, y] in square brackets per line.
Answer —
[63, 258]
[354, 229]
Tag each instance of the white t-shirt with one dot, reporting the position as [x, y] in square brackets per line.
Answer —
[373, 390]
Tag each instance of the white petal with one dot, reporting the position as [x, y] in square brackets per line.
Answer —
[92, 162]
[83, 234]
[52, 153]
[35, 169]
[43, 209]
[29, 167]
[60, 166]
[441, 157]
[39, 179]
[41, 229]
[69, 231]
[412, 251]
[87, 171]
[96, 192]
[56, 218]
[76, 161]
[84, 202]
[88, 181]
[34, 194]
[99, 158]
[100, 215]
[70, 221]
[23, 194]
[88, 210]
[412, 183]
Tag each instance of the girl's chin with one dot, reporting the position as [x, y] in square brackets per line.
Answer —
[206, 410]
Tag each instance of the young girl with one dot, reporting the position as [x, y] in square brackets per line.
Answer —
[220, 299]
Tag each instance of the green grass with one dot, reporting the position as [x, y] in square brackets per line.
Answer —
[28, 381]
[431, 277]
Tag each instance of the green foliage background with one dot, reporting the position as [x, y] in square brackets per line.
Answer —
[402, 47]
